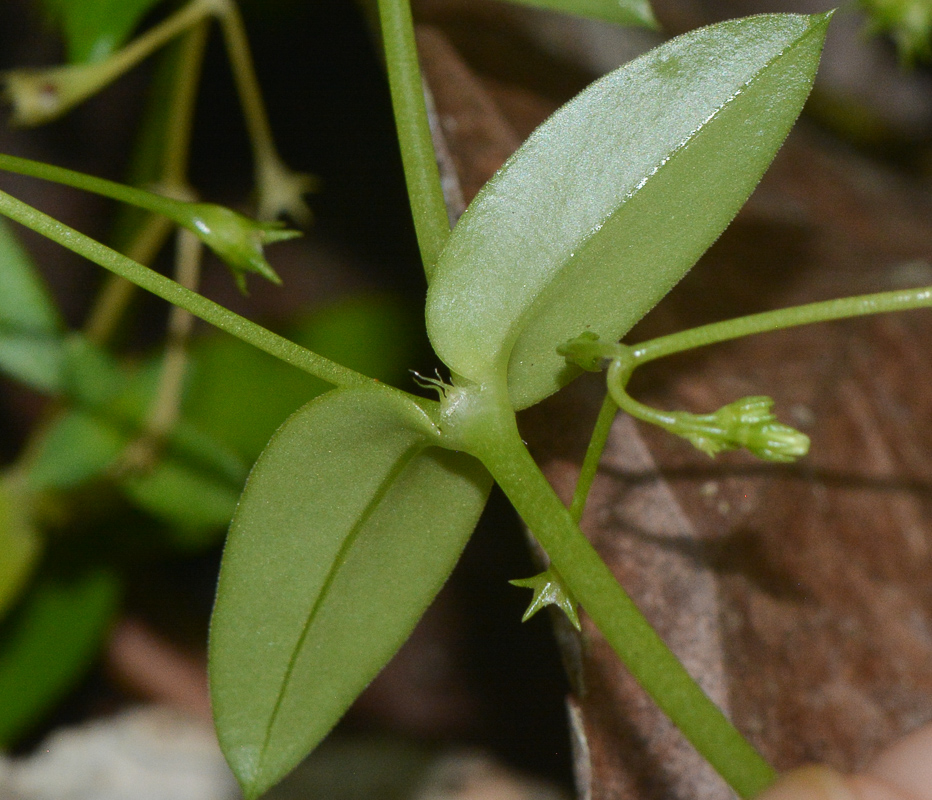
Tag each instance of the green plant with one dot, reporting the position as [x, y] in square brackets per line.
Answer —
[588, 225]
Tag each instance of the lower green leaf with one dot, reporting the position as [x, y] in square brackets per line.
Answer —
[33, 359]
[48, 642]
[20, 542]
[196, 504]
[350, 523]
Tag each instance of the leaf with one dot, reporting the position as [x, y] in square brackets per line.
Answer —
[349, 525]
[611, 201]
[95, 29]
[25, 304]
[20, 543]
[619, 12]
[34, 360]
[50, 639]
[195, 503]
[30, 326]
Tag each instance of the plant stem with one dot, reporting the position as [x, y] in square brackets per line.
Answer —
[153, 39]
[590, 465]
[113, 299]
[844, 308]
[169, 290]
[180, 117]
[172, 142]
[497, 443]
[166, 406]
[417, 149]
[176, 210]
[244, 74]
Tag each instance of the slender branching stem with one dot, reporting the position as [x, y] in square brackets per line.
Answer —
[165, 409]
[176, 210]
[244, 74]
[497, 442]
[148, 238]
[590, 465]
[844, 308]
[417, 149]
[187, 75]
[169, 290]
[144, 45]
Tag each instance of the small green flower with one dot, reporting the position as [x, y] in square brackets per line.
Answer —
[549, 589]
[281, 191]
[747, 423]
[588, 352]
[235, 238]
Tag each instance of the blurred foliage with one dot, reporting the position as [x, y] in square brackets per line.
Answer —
[95, 29]
[908, 22]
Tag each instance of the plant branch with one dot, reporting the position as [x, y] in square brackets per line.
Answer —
[417, 149]
[590, 465]
[169, 290]
[279, 189]
[176, 210]
[843, 308]
[498, 444]
[40, 95]
[148, 236]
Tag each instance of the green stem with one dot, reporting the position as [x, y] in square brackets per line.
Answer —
[166, 406]
[417, 149]
[153, 39]
[173, 140]
[844, 308]
[590, 465]
[40, 95]
[178, 211]
[497, 442]
[187, 71]
[244, 74]
[169, 290]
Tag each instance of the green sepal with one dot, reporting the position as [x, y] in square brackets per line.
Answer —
[235, 238]
[549, 590]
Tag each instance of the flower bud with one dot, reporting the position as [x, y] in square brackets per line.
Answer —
[236, 239]
[281, 191]
[747, 423]
[588, 352]
[41, 95]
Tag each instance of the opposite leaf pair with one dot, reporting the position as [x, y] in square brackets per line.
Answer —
[357, 510]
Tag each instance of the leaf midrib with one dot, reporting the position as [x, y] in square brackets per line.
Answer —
[521, 322]
[349, 540]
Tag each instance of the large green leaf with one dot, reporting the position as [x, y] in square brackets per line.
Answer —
[615, 197]
[349, 524]
[620, 12]
[48, 641]
[95, 29]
